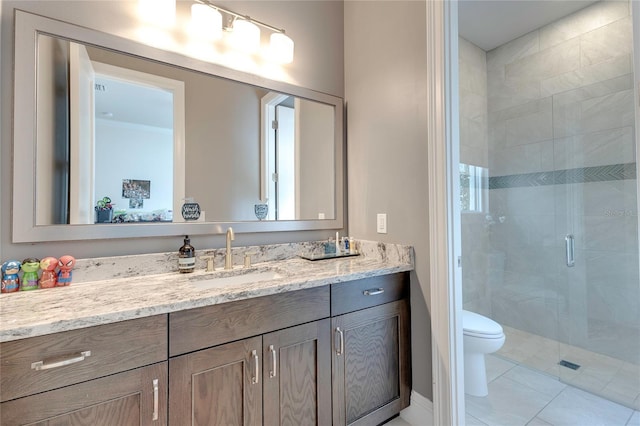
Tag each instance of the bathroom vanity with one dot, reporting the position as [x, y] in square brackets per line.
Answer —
[323, 343]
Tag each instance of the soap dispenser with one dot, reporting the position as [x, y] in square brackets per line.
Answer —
[186, 257]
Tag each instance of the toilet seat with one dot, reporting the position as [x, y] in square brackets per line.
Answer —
[476, 325]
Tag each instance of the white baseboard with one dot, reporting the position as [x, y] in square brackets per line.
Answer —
[419, 412]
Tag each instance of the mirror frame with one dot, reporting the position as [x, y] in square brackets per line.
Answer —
[27, 28]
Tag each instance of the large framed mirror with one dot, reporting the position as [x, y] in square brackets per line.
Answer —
[112, 138]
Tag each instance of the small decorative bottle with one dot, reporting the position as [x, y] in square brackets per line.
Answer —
[30, 268]
[66, 264]
[49, 278]
[186, 257]
[10, 278]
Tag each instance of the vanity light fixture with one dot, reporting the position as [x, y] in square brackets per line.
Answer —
[244, 31]
[281, 48]
[245, 36]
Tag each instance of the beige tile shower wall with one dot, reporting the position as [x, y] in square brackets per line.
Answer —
[561, 98]
[570, 80]
[474, 150]
[473, 104]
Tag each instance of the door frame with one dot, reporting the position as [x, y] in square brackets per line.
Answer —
[444, 230]
[268, 105]
[176, 87]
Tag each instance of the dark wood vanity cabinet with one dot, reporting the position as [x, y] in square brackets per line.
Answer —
[297, 375]
[279, 377]
[217, 386]
[135, 397]
[371, 350]
[336, 354]
[113, 374]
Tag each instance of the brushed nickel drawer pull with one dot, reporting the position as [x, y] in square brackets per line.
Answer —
[60, 361]
[274, 362]
[155, 400]
[255, 379]
[373, 292]
[340, 350]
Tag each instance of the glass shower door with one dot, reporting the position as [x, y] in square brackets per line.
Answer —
[551, 252]
[597, 230]
[596, 226]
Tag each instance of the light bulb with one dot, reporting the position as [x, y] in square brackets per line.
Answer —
[245, 36]
[281, 48]
[206, 22]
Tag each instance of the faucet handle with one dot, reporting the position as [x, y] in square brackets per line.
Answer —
[209, 259]
[247, 259]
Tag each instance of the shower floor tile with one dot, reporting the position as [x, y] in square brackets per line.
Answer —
[508, 403]
[616, 380]
[522, 396]
[576, 407]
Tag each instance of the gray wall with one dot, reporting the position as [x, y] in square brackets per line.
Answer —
[316, 153]
[315, 26]
[387, 125]
[385, 81]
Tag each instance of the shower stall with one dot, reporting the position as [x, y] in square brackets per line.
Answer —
[549, 198]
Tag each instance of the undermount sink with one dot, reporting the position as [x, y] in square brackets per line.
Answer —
[233, 278]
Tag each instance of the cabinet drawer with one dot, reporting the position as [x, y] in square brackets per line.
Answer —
[214, 325]
[135, 397]
[360, 294]
[114, 348]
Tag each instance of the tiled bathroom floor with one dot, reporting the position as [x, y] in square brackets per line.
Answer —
[611, 378]
[521, 396]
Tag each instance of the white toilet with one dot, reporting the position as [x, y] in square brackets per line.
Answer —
[481, 336]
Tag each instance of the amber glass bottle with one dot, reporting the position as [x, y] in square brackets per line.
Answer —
[186, 256]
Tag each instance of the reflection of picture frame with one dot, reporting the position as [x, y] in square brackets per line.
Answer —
[136, 203]
[137, 189]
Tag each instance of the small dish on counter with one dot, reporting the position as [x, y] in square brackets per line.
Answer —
[323, 256]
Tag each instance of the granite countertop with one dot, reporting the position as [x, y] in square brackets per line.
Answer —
[102, 301]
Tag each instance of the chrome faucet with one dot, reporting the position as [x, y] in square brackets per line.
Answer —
[228, 260]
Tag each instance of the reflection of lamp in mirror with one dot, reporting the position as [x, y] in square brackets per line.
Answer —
[158, 12]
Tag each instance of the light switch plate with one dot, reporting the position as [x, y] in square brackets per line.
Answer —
[382, 223]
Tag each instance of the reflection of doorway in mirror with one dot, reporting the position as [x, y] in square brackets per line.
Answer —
[139, 121]
[297, 158]
[81, 136]
[279, 162]
[285, 164]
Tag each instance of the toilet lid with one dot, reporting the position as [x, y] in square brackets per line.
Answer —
[478, 324]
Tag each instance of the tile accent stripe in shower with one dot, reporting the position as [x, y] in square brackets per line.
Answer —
[558, 177]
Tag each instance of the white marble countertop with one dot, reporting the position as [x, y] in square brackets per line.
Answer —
[90, 303]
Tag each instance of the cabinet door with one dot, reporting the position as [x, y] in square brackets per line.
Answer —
[136, 397]
[371, 364]
[297, 375]
[217, 386]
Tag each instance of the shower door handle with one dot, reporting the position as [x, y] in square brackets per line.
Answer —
[569, 242]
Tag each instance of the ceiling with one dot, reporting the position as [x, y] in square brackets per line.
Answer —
[491, 23]
[133, 103]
